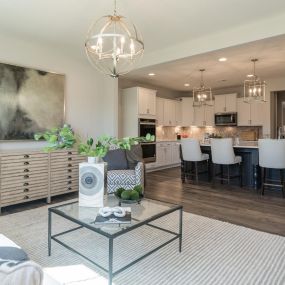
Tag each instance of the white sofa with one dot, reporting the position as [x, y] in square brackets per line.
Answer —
[27, 272]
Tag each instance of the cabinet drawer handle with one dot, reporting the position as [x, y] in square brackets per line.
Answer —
[70, 158]
[69, 152]
[69, 182]
[69, 165]
[26, 176]
[69, 176]
[26, 190]
[26, 156]
[69, 188]
[26, 163]
[26, 184]
[26, 170]
[26, 197]
[69, 170]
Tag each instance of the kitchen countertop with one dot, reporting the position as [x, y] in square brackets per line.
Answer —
[243, 144]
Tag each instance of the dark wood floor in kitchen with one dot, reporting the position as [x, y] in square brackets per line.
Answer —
[231, 204]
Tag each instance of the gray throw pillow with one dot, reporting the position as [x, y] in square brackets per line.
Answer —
[116, 159]
[134, 156]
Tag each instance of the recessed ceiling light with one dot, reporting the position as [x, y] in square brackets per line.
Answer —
[250, 75]
[223, 59]
[151, 74]
[186, 84]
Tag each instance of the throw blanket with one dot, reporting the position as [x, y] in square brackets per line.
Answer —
[15, 266]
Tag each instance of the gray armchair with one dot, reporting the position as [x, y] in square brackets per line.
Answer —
[125, 169]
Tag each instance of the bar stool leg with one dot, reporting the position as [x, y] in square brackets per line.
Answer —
[213, 174]
[209, 170]
[196, 172]
[282, 182]
[228, 174]
[263, 180]
[183, 174]
[240, 174]
[222, 174]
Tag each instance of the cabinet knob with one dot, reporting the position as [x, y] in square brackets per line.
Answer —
[26, 197]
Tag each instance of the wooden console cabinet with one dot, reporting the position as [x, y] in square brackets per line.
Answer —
[31, 175]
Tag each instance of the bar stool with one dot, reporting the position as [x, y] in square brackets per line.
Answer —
[223, 154]
[272, 156]
[191, 153]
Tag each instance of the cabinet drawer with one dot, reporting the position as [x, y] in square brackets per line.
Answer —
[24, 163]
[64, 182]
[65, 170]
[67, 161]
[23, 157]
[65, 153]
[8, 172]
[22, 198]
[64, 177]
[24, 190]
[23, 180]
[64, 189]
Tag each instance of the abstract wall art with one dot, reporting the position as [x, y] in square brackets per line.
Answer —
[31, 101]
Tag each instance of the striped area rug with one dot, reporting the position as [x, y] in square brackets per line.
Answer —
[214, 252]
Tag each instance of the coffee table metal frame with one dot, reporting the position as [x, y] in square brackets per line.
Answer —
[111, 237]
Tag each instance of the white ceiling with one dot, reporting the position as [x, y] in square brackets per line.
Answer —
[173, 75]
[163, 23]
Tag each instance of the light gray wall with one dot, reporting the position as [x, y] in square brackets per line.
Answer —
[91, 98]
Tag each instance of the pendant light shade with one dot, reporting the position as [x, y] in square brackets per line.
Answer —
[114, 45]
[254, 87]
[202, 95]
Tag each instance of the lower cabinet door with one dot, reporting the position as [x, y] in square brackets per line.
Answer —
[175, 153]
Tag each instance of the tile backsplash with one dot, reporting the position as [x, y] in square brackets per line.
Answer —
[169, 133]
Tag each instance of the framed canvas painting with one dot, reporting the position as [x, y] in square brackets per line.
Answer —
[31, 101]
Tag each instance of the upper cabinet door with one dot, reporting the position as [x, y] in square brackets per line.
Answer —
[257, 113]
[231, 103]
[159, 110]
[199, 116]
[178, 115]
[147, 102]
[209, 116]
[220, 104]
[169, 112]
[187, 112]
[243, 113]
[226, 103]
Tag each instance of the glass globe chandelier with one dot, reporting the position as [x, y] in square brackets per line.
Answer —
[254, 87]
[202, 95]
[114, 44]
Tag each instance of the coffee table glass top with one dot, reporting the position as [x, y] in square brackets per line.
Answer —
[141, 213]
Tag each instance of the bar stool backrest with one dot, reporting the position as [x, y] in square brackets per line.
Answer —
[222, 151]
[272, 153]
[191, 150]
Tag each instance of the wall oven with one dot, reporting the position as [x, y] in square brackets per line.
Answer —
[226, 119]
[148, 126]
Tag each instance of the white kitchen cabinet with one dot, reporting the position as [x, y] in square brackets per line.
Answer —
[251, 114]
[146, 102]
[175, 153]
[243, 113]
[257, 113]
[159, 111]
[226, 103]
[169, 112]
[187, 111]
[204, 116]
[178, 113]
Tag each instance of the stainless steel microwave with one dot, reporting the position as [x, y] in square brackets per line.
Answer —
[226, 119]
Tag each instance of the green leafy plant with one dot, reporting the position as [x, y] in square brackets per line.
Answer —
[58, 138]
[104, 143]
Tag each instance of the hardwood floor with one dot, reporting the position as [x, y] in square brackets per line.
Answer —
[231, 204]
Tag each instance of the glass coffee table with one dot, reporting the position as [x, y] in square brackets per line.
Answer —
[143, 214]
